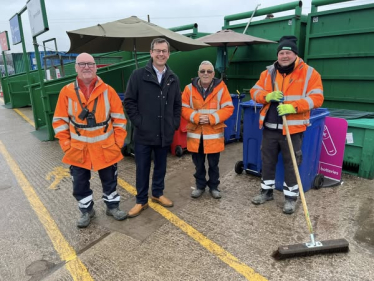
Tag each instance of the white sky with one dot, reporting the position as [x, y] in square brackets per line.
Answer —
[67, 15]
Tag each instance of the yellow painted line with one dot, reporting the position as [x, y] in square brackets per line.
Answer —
[24, 117]
[212, 247]
[58, 173]
[76, 268]
[21, 114]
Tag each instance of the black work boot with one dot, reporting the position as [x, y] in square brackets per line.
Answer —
[289, 206]
[196, 193]
[85, 219]
[265, 195]
[216, 194]
[116, 213]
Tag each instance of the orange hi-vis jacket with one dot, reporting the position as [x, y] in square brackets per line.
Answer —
[95, 147]
[218, 105]
[302, 88]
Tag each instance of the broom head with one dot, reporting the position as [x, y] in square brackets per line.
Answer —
[300, 250]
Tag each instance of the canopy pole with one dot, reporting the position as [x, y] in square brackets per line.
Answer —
[245, 30]
[136, 59]
[223, 73]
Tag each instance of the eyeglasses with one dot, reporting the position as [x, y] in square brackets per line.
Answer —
[157, 51]
[83, 64]
[206, 71]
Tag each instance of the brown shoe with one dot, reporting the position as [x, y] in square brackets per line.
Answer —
[136, 210]
[163, 201]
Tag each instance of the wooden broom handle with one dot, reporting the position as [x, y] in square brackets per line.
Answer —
[301, 190]
[296, 168]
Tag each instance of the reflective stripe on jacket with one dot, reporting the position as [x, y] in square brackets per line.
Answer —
[218, 105]
[97, 147]
[302, 88]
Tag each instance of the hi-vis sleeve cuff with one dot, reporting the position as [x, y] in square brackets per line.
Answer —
[192, 116]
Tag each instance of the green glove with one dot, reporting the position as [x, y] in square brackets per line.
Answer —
[274, 96]
[284, 109]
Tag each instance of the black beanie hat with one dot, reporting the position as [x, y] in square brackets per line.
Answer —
[288, 43]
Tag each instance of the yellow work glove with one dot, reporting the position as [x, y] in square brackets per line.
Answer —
[276, 96]
[284, 109]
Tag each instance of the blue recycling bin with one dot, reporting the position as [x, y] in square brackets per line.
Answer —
[232, 131]
[121, 96]
[311, 148]
[252, 137]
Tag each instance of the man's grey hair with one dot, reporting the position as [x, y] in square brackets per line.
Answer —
[206, 62]
[159, 41]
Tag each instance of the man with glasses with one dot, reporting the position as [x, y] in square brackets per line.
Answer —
[91, 127]
[206, 104]
[153, 104]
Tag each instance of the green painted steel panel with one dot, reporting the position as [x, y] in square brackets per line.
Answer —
[359, 155]
[16, 92]
[37, 106]
[186, 64]
[339, 45]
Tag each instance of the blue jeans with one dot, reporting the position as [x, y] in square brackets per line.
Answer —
[143, 155]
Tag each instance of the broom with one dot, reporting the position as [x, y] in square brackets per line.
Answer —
[313, 247]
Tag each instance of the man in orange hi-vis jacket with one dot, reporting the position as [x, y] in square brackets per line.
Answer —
[291, 81]
[91, 127]
[206, 104]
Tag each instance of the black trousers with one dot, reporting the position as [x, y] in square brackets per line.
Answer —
[83, 193]
[200, 171]
[273, 142]
[143, 155]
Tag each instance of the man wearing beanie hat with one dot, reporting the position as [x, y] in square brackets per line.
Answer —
[288, 87]
[288, 43]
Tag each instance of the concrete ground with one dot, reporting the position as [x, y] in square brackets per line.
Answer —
[197, 239]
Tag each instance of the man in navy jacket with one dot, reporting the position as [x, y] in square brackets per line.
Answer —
[153, 104]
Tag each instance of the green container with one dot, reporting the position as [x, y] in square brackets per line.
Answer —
[339, 45]
[16, 92]
[359, 155]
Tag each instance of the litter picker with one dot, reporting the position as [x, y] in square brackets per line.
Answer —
[313, 247]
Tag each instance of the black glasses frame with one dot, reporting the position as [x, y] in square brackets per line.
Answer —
[89, 64]
[206, 71]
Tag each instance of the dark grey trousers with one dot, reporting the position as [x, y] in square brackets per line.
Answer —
[273, 142]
